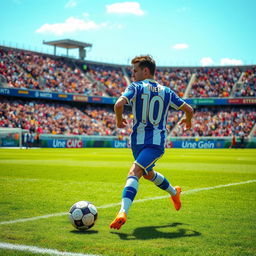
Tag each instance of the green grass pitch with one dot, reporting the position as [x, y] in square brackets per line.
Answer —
[215, 221]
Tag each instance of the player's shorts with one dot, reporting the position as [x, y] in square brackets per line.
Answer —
[146, 155]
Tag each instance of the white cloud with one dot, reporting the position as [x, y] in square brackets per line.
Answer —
[206, 61]
[227, 62]
[125, 8]
[71, 4]
[180, 46]
[70, 25]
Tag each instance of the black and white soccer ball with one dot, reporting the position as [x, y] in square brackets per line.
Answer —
[83, 215]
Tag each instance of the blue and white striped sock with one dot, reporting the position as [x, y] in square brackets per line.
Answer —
[129, 192]
[160, 181]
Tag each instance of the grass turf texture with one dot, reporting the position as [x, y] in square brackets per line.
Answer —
[221, 221]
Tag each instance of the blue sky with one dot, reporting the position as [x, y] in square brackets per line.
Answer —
[174, 32]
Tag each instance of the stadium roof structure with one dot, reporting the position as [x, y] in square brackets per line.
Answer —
[70, 44]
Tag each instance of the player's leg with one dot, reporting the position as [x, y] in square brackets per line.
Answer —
[144, 156]
[129, 193]
[159, 180]
[146, 159]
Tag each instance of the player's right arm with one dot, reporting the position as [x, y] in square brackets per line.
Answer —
[119, 109]
[126, 97]
[189, 112]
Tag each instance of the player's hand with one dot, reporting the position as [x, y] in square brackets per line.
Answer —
[187, 123]
[121, 124]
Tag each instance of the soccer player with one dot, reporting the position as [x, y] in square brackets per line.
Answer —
[150, 103]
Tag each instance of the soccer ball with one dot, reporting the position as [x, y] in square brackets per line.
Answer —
[83, 215]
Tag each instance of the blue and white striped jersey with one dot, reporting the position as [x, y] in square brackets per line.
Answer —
[150, 103]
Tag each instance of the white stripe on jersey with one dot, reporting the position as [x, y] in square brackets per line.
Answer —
[134, 110]
[156, 136]
[140, 134]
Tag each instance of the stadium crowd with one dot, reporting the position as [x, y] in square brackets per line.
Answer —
[24, 69]
[176, 79]
[111, 77]
[247, 88]
[214, 82]
[56, 118]
[219, 122]
[38, 72]
[14, 75]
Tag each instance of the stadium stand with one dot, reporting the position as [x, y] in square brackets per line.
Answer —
[23, 69]
[56, 118]
[13, 75]
[247, 87]
[44, 72]
[219, 122]
[176, 79]
[214, 82]
[111, 77]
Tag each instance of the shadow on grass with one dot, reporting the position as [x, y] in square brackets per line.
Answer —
[82, 232]
[153, 232]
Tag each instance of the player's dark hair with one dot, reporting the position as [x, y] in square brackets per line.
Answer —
[145, 61]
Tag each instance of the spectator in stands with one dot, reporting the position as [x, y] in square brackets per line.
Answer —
[24, 69]
[112, 78]
[214, 82]
[247, 87]
[219, 122]
[34, 71]
[54, 118]
[176, 79]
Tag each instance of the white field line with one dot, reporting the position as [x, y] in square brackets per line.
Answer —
[35, 249]
[191, 191]
[38, 250]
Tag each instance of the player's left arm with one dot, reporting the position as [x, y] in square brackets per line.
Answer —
[119, 109]
[189, 112]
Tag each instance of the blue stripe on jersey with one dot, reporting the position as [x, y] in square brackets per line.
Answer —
[150, 102]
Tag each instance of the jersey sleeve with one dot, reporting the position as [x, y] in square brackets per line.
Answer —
[176, 102]
[129, 93]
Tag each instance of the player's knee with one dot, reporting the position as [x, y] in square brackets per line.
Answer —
[149, 175]
[136, 171]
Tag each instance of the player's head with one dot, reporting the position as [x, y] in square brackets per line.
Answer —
[143, 67]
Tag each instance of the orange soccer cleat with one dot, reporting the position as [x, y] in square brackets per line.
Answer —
[176, 199]
[119, 220]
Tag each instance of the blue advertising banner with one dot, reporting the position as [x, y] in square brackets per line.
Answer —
[224, 101]
[204, 144]
[56, 96]
[58, 141]
[64, 143]
[120, 144]
[36, 94]
[207, 101]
